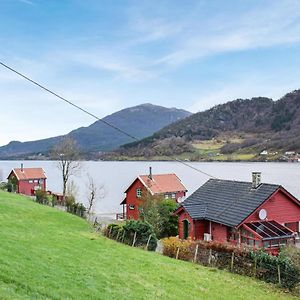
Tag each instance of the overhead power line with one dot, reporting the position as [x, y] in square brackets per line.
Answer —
[94, 116]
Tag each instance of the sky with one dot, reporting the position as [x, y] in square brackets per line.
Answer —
[108, 55]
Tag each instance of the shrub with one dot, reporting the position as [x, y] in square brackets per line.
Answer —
[3, 185]
[242, 261]
[125, 233]
[74, 207]
[9, 187]
[267, 269]
[41, 197]
[53, 201]
[172, 244]
[169, 220]
[292, 254]
[13, 182]
[143, 231]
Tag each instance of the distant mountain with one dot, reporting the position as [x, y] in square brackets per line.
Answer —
[139, 121]
[260, 122]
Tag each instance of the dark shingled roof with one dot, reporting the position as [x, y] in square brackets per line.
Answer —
[225, 201]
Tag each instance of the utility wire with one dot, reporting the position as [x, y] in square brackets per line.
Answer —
[94, 116]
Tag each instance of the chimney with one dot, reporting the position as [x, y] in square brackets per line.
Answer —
[150, 173]
[22, 168]
[256, 179]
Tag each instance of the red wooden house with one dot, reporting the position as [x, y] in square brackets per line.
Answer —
[257, 214]
[28, 180]
[167, 185]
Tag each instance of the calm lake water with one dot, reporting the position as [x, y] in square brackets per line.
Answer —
[117, 176]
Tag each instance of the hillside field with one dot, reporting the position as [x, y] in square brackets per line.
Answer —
[49, 254]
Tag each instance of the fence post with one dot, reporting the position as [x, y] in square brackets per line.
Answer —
[109, 231]
[134, 239]
[279, 275]
[177, 253]
[123, 236]
[209, 257]
[232, 261]
[196, 253]
[118, 234]
[148, 241]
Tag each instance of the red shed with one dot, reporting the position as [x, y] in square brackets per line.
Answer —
[28, 180]
[168, 185]
[258, 214]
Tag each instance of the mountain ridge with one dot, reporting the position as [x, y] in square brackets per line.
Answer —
[139, 121]
[260, 123]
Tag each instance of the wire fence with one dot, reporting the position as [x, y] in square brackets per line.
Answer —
[242, 261]
[257, 264]
[134, 238]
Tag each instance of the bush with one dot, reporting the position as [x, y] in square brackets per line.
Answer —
[41, 197]
[169, 220]
[292, 254]
[240, 260]
[53, 201]
[172, 244]
[125, 233]
[77, 209]
[267, 269]
[4, 186]
[10, 187]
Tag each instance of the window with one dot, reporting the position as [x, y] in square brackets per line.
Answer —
[131, 206]
[251, 242]
[36, 181]
[173, 195]
[139, 193]
[30, 181]
[166, 196]
[41, 181]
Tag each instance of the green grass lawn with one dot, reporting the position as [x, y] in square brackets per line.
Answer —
[49, 254]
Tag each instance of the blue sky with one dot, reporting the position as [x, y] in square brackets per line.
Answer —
[108, 55]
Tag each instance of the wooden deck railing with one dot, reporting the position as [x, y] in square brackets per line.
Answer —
[120, 216]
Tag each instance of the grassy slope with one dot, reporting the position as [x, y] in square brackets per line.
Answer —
[49, 254]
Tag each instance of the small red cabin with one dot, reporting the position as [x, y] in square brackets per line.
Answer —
[257, 214]
[28, 180]
[168, 185]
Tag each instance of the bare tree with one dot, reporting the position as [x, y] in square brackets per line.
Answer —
[95, 192]
[72, 190]
[67, 154]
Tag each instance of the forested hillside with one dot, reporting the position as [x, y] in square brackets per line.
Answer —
[245, 125]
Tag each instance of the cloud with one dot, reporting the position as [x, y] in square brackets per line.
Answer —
[277, 23]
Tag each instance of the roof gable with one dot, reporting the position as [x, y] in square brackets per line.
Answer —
[227, 202]
[160, 183]
[29, 173]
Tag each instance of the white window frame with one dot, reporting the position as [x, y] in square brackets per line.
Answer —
[173, 195]
[139, 193]
[131, 206]
[30, 181]
[167, 196]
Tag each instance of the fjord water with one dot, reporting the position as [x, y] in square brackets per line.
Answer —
[117, 176]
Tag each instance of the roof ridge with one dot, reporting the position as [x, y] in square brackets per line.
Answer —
[162, 174]
[241, 181]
